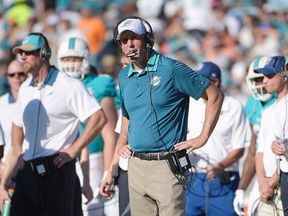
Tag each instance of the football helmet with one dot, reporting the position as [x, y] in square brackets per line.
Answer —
[255, 80]
[74, 47]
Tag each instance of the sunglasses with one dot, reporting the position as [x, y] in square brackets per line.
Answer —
[270, 76]
[20, 74]
[258, 79]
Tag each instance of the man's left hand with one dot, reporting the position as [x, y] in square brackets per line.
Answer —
[62, 158]
[190, 145]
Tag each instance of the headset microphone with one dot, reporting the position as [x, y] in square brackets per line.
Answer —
[131, 54]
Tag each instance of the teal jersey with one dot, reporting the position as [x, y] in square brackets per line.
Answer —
[117, 98]
[156, 102]
[254, 109]
[99, 86]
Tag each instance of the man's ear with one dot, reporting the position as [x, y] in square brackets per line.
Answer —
[217, 83]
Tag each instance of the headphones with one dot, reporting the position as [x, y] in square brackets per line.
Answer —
[45, 51]
[284, 72]
[148, 36]
[284, 75]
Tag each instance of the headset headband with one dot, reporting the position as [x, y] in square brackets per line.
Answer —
[45, 51]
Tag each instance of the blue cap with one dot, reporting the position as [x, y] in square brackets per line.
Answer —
[275, 64]
[30, 43]
[208, 70]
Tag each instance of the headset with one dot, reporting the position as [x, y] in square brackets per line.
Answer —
[284, 73]
[45, 51]
[279, 66]
[149, 35]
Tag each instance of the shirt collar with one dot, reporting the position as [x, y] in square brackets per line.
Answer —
[50, 79]
[151, 66]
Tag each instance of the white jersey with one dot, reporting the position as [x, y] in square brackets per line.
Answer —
[7, 111]
[229, 133]
[281, 130]
[265, 139]
[50, 113]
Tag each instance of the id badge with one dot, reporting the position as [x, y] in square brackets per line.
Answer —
[41, 169]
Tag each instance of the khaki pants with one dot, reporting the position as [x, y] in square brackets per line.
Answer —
[154, 190]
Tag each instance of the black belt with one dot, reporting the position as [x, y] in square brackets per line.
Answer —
[122, 171]
[46, 159]
[150, 156]
[42, 165]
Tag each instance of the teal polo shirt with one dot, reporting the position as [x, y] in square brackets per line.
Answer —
[156, 102]
[99, 86]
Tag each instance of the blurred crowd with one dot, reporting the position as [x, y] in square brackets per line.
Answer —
[230, 33]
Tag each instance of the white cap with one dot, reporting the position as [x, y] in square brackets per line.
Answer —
[134, 25]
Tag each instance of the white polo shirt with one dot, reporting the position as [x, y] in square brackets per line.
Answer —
[7, 111]
[281, 130]
[229, 133]
[2, 141]
[50, 113]
[123, 162]
[265, 139]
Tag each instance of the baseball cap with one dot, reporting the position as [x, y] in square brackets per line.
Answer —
[134, 25]
[275, 64]
[29, 44]
[208, 70]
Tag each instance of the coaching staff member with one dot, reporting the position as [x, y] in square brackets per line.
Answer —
[50, 107]
[155, 93]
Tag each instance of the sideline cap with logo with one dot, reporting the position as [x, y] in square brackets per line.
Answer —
[29, 44]
[208, 70]
[134, 25]
[275, 64]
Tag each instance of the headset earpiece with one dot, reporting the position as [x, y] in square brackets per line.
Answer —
[148, 47]
[284, 75]
[45, 51]
[149, 36]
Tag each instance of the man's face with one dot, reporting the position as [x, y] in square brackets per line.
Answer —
[31, 62]
[133, 43]
[273, 83]
[259, 85]
[15, 75]
[72, 64]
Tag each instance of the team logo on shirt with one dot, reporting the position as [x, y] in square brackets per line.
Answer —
[155, 81]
